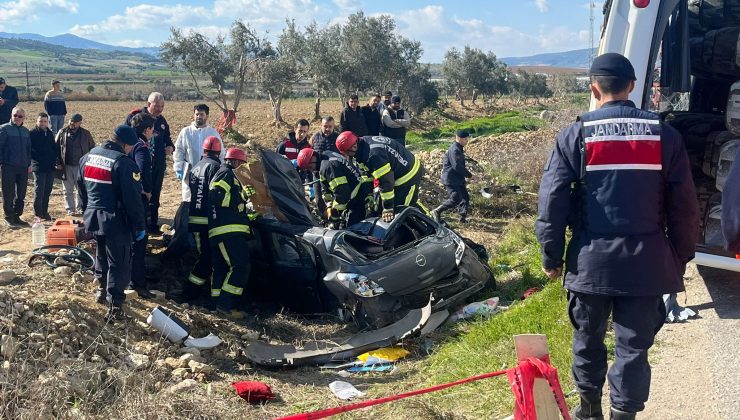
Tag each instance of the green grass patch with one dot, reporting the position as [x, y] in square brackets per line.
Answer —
[440, 137]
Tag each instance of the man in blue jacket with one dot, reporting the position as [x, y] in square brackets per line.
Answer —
[8, 101]
[15, 162]
[731, 207]
[621, 180]
[454, 174]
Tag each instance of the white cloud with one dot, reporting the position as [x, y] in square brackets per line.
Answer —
[348, 4]
[542, 5]
[23, 11]
[141, 17]
[134, 43]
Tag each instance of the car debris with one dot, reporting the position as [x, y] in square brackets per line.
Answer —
[345, 390]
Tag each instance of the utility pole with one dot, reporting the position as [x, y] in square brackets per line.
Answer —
[28, 84]
[591, 8]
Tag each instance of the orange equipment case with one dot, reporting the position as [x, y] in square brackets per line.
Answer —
[66, 232]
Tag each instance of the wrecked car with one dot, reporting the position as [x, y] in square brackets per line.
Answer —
[373, 273]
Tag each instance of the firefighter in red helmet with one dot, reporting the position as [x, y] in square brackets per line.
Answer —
[228, 233]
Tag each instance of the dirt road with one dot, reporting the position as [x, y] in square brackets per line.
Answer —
[696, 372]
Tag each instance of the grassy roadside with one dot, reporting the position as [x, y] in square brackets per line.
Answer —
[504, 122]
[486, 345]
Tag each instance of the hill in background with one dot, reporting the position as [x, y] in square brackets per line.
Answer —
[74, 41]
[576, 59]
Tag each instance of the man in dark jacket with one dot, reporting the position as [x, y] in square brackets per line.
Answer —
[351, 118]
[454, 174]
[74, 142]
[396, 121]
[160, 145]
[325, 138]
[731, 207]
[111, 198]
[143, 125]
[15, 158]
[372, 116]
[44, 152]
[621, 180]
[8, 101]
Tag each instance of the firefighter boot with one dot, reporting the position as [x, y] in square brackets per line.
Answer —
[589, 409]
[621, 415]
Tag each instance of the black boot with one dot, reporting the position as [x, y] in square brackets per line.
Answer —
[589, 409]
[101, 297]
[116, 313]
[621, 415]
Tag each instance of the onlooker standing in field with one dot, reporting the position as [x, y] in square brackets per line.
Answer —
[44, 153]
[372, 116]
[55, 106]
[160, 146]
[189, 145]
[325, 138]
[352, 119]
[296, 140]
[15, 160]
[8, 101]
[396, 121]
[74, 142]
[386, 101]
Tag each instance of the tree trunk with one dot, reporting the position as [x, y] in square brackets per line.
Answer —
[277, 101]
[317, 107]
[342, 98]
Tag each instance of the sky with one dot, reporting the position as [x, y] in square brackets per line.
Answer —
[509, 28]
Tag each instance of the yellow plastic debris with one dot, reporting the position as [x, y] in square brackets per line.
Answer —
[384, 355]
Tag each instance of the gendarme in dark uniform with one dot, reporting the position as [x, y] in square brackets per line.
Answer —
[731, 207]
[454, 174]
[113, 211]
[621, 180]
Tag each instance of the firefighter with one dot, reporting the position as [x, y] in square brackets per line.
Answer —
[228, 233]
[621, 180]
[199, 182]
[347, 188]
[396, 170]
[454, 174]
[110, 190]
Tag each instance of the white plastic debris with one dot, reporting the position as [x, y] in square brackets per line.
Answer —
[208, 342]
[674, 311]
[345, 390]
[171, 327]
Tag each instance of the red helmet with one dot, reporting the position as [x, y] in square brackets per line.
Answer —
[304, 158]
[212, 144]
[236, 154]
[345, 141]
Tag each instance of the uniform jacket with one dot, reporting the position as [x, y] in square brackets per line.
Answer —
[290, 147]
[395, 123]
[630, 204]
[322, 143]
[353, 120]
[110, 191]
[372, 120]
[228, 200]
[161, 139]
[189, 145]
[390, 164]
[15, 145]
[10, 94]
[44, 151]
[199, 181]
[731, 207]
[343, 180]
[73, 145]
[54, 103]
[143, 158]
[453, 166]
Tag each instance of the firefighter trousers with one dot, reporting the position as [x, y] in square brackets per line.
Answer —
[200, 277]
[231, 268]
[407, 195]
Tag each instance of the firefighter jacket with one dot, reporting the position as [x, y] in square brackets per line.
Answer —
[621, 180]
[199, 182]
[290, 147]
[228, 201]
[110, 190]
[392, 166]
[343, 180]
[454, 171]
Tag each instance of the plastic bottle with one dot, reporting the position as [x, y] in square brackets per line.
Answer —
[488, 306]
[38, 234]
